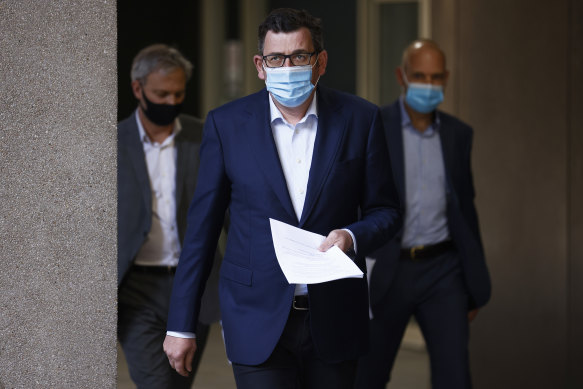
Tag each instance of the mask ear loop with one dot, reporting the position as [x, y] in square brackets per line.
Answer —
[317, 58]
[404, 79]
[146, 100]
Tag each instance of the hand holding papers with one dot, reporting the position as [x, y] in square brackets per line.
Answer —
[301, 261]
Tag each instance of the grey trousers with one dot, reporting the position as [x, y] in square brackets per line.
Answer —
[143, 310]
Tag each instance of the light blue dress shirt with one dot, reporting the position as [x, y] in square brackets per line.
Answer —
[425, 220]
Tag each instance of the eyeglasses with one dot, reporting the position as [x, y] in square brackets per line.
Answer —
[297, 59]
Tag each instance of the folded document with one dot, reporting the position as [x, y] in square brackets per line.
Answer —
[301, 261]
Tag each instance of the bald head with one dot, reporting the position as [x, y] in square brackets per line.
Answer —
[423, 62]
[421, 47]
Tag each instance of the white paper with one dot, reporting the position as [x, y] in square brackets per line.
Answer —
[301, 261]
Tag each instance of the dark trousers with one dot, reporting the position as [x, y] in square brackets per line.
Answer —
[294, 364]
[143, 310]
[432, 290]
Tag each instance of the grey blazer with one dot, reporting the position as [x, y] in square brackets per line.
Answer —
[134, 204]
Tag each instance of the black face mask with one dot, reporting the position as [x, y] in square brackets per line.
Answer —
[161, 114]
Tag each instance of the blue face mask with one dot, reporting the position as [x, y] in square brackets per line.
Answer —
[290, 85]
[423, 98]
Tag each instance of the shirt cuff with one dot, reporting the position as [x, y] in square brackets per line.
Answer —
[177, 334]
[353, 239]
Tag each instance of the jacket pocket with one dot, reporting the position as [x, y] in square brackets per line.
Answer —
[236, 273]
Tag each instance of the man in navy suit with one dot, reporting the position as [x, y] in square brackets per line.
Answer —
[434, 269]
[157, 169]
[308, 156]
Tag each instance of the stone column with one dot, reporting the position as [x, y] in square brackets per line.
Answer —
[57, 194]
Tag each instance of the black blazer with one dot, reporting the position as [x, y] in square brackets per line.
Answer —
[456, 143]
[134, 204]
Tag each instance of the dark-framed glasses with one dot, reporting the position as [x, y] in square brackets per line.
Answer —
[297, 59]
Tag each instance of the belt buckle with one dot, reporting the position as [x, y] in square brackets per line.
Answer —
[415, 249]
[296, 307]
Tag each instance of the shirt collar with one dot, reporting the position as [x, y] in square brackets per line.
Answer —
[146, 139]
[275, 113]
[406, 120]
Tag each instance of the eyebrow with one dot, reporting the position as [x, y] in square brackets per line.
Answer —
[298, 51]
[440, 74]
[166, 91]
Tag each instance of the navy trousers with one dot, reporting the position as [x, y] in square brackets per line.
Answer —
[295, 364]
[433, 291]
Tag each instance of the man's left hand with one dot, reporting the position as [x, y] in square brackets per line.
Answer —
[340, 238]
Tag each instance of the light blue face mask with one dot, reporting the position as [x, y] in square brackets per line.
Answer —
[423, 98]
[290, 85]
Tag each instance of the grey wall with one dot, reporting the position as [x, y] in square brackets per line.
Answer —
[517, 79]
[58, 194]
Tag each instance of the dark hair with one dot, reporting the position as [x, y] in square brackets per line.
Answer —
[289, 20]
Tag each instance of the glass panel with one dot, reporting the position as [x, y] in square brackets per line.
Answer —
[398, 27]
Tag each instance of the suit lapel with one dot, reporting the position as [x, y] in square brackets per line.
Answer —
[181, 166]
[137, 157]
[394, 134]
[447, 149]
[263, 148]
[331, 128]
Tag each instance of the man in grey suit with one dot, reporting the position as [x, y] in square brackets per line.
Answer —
[157, 171]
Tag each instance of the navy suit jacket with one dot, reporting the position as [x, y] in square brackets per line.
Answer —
[456, 144]
[240, 170]
[135, 195]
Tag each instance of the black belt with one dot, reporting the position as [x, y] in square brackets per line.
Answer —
[301, 303]
[154, 269]
[427, 251]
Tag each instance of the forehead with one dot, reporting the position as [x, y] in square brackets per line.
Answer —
[426, 59]
[166, 78]
[288, 42]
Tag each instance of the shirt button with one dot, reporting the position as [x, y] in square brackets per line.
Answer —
[296, 132]
[301, 191]
[299, 160]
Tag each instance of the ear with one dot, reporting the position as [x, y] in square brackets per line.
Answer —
[446, 77]
[137, 89]
[258, 62]
[399, 74]
[322, 62]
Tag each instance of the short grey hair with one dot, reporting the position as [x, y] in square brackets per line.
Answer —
[159, 57]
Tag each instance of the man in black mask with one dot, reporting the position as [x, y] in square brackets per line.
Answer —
[157, 169]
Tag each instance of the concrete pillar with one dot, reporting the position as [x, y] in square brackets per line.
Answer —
[57, 194]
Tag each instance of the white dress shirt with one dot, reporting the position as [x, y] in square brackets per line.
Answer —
[295, 146]
[162, 246]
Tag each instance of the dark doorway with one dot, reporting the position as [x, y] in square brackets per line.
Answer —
[144, 22]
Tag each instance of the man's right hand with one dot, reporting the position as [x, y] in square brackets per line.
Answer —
[180, 352]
